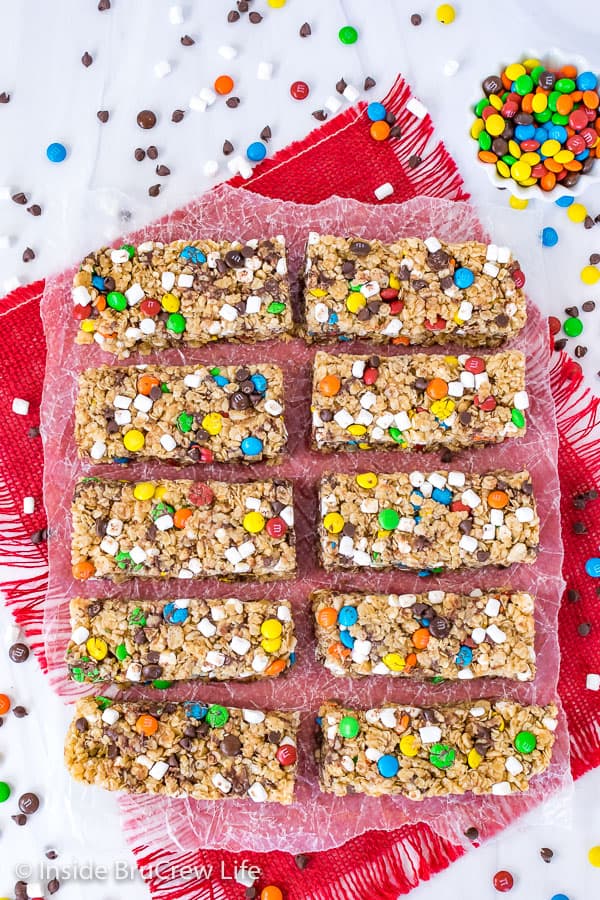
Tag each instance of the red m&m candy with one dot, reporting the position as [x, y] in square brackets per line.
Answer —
[286, 754]
[276, 527]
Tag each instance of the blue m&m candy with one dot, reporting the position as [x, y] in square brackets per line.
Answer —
[388, 765]
[376, 112]
[463, 278]
[251, 446]
[256, 151]
[56, 152]
[347, 616]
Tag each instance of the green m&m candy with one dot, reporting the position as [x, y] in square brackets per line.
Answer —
[130, 250]
[176, 323]
[388, 519]
[525, 742]
[573, 326]
[441, 756]
[276, 307]
[217, 716]
[116, 300]
[348, 727]
[161, 684]
[348, 34]
[185, 421]
[517, 418]
[4, 791]
[121, 652]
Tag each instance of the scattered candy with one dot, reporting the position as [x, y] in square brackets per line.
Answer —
[299, 90]
[56, 152]
[451, 67]
[256, 151]
[503, 881]
[592, 566]
[28, 505]
[594, 856]
[146, 119]
[223, 84]
[590, 275]
[549, 237]
[4, 791]
[573, 326]
[4, 704]
[445, 14]
[348, 34]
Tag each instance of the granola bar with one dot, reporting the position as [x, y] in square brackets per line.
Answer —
[417, 402]
[183, 529]
[427, 521]
[482, 746]
[436, 634]
[129, 641]
[158, 295]
[412, 291]
[200, 750]
[184, 414]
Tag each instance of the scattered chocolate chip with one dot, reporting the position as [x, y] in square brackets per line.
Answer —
[51, 854]
[588, 222]
[250, 893]
[580, 351]
[21, 890]
[584, 629]
[255, 18]
[177, 115]
[4, 97]
[414, 161]
[560, 344]
[416, 19]
[152, 152]
[227, 148]
[154, 190]
[301, 860]
[33, 432]
[243, 5]
[588, 306]
[163, 171]
[573, 596]
[20, 712]
[103, 5]
[187, 40]
[266, 134]
[341, 86]
[53, 885]
[146, 119]
[87, 60]
[233, 15]
[369, 83]
[38, 537]
[20, 198]
[395, 131]
[572, 311]
[29, 803]
[546, 853]
[305, 30]
[28, 255]
[103, 115]
[594, 259]
[233, 102]
[320, 115]
[34, 210]
[19, 819]
[472, 833]
[18, 653]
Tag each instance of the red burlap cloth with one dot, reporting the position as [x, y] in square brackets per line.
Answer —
[338, 158]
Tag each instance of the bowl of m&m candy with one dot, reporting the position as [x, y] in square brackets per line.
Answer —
[537, 126]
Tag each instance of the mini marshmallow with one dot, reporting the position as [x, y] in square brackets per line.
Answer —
[20, 407]
[239, 645]
[80, 635]
[207, 95]
[592, 682]
[521, 400]
[110, 716]
[257, 793]
[430, 734]
[492, 607]
[253, 716]
[159, 770]
[524, 514]
[185, 280]
[98, 450]
[227, 51]
[197, 104]
[28, 505]
[332, 104]
[134, 294]
[504, 254]
[264, 71]
[162, 68]
[468, 543]
[210, 168]
[163, 523]
[175, 15]
[143, 403]
[167, 280]
[350, 93]
[168, 442]
[451, 67]
[138, 555]
[417, 108]
[206, 628]
[384, 190]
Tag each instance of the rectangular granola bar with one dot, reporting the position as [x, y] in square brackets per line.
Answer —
[183, 529]
[183, 414]
[482, 746]
[204, 751]
[130, 641]
[417, 402]
[427, 521]
[158, 295]
[436, 634]
[412, 291]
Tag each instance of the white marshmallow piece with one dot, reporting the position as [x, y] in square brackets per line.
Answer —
[417, 108]
[162, 68]
[28, 505]
[227, 51]
[264, 70]
[20, 407]
[384, 190]
[175, 15]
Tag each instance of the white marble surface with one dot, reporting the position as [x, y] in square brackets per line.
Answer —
[53, 97]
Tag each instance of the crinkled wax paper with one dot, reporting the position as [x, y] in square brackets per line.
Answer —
[315, 821]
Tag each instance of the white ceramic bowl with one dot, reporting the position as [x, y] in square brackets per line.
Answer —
[553, 58]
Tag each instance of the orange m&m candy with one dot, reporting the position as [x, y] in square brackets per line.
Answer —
[147, 724]
[271, 892]
[145, 384]
[223, 84]
[497, 499]
[276, 667]
[330, 385]
[83, 570]
[437, 389]
[181, 517]
[380, 131]
[327, 617]
[4, 704]
[421, 638]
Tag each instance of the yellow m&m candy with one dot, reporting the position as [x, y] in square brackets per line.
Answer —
[96, 647]
[271, 628]
[254, 522]
[333, 523]
[366, 480]
[144, 490]
[394, 662]
[213, 422]
[409, 745]
[134, 440]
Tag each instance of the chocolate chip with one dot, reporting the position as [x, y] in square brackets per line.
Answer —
[320, 115]
[255, 18]
[420, 384]
[360, 248]
[38, 537]
[492, 84]
[326, 415]
[28, 255]
[588, 306]
[305, 30]
[227, 148]
[20, 198]
[152, 152]
[4, 97]
[560, 344]
[341, 86]
[416, 19]
[266, 134]
[187, 40]
[573, 596]
[146, 119]
[301, 860]
[465, 526]
[483, 555]
[103, 5]
[87, 60]
[588, 222]
[19, 712]
[154, 190]
[250, 893]
[232, 102]
[418, 284]
[414, 161]
[438, 260]
[177, 115]
[19, 819]
[150, 673]
[53, 885]
[21, 890]
[390, 118]
[35, 209]
[584, 629]
[33, 432]
[580, 351]
[502, 320]
[369, 83]
[572, 311]
[18, 653]
[163, 171]
[243, 5]
[139, 154]
[546, 853]
[103, 115]
[29, 803]
[233, 15]
[51, 854]
[230, 745]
